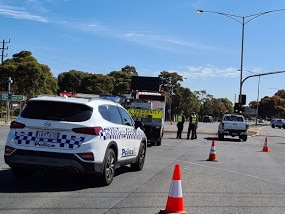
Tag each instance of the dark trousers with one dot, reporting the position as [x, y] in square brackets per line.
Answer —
[179, 130]
[192, 131]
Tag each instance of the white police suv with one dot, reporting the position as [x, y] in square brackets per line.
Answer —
[74, 134]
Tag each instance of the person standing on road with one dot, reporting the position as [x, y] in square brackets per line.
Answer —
[193, 125]
[180, 124]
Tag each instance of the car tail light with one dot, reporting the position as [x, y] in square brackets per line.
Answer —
[17, 125]
[9, 150]
[87, 156]
[88, 130]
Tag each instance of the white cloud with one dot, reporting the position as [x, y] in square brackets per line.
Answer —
[162, 42]
[21, 15]
[208, 72]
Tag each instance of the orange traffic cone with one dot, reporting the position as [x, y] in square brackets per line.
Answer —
[213, 155]
[265, 147]
[175, 203]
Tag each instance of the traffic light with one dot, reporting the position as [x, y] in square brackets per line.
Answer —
[238, 108]
[242, 99]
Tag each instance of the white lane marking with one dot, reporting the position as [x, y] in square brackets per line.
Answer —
[234, 172]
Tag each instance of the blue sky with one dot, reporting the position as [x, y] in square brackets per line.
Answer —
[153, 36]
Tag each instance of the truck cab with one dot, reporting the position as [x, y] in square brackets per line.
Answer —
[149, 108]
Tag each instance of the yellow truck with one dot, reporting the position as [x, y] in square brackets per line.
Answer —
[149, 108]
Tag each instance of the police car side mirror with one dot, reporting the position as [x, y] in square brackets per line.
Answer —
[139, 124]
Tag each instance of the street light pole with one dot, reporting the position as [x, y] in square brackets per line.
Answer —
[258, 75]
[241, 61]
[170, 104]
[257, 102]
[243, 20]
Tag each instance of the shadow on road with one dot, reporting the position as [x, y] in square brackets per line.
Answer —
[46, 181]
[225, 139]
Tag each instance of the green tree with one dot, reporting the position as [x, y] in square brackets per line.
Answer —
[270, 107]
[7, 70]
[169, 80]
[23, 56]
[186, 101]
[205, 102]
[221, 106]
[202, 95]
[122, 82]
[71, 81]
[280, 93]
[130, 70]
[169, 85]
[29, 77]
[215, 107]
[97, 84]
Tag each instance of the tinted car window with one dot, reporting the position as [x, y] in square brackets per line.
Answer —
[127, 120]
[240, 119]
[233, 118]
[58, 111]
[114, 115]
[103, 110]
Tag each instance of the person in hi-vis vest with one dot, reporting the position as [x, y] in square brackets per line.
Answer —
[180, 124]
[193, 124]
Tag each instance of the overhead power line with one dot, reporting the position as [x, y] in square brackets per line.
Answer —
[3, 48]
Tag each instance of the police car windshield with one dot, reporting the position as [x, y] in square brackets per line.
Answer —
[58, 111]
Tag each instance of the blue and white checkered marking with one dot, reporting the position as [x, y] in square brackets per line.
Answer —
[115, 133]
[63, 142]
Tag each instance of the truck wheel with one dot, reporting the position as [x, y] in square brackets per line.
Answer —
[244, 137]
[138, 165]
[150, 143]
[158, 143]
[221, 136]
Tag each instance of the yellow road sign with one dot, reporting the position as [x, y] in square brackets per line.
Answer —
[145, 113]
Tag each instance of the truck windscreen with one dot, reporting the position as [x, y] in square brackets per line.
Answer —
[151, 97]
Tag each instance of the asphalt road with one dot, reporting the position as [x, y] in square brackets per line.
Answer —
[243, 180]
[210, 128]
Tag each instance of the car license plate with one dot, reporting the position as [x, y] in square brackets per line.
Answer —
[48, 135]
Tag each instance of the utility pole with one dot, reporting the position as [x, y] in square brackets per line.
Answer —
[9, 82]
[3, 48]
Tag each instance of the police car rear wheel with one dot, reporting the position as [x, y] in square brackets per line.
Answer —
[109, 167]
[138, 165]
